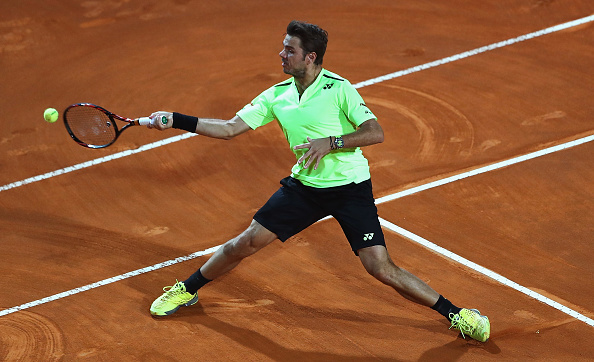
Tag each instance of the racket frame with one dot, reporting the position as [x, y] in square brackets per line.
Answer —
[112, 117]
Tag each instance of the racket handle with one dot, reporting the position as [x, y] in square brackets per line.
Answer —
[143, 121]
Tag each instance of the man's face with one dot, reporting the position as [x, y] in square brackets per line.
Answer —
[293, 57]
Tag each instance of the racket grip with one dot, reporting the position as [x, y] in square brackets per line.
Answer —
[143, 121]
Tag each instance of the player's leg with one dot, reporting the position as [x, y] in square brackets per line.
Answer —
[356, 212]
[286, 213]
[228, 256]
[378, 263]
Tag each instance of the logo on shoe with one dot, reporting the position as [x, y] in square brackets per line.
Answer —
[368, 236]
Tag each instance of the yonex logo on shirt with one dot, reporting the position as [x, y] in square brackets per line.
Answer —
[368, 236]
[328, 85]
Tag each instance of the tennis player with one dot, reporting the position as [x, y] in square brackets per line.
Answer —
[326, 122]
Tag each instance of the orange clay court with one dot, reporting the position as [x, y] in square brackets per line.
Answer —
[483, 184]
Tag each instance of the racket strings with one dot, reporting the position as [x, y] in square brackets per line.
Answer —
[91, 126]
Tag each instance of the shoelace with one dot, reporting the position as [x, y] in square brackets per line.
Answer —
[461, 325]
[172, 291]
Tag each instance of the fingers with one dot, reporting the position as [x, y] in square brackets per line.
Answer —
[305, 156]
[310, 160]
[317, 149]
[160, 120]
[302, 157]
[304, 145]
[317, 163]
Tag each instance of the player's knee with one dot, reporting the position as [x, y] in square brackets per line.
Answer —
[240, 247]
[383, 274]
[247, 243]
[382, 270]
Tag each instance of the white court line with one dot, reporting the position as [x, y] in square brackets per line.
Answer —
[213, 249]
[358, 85]
[97, 161]
[491, 274]
[476, 51]
[385, 224]
[108, 281]
[487, 168]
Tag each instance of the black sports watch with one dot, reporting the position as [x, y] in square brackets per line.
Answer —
[338, 142]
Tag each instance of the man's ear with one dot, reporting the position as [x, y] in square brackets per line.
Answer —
[312, 56]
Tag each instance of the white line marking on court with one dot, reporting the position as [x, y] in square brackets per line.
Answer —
[358, 85]
[385, 199]
[487, 168]
[476, 51]
[487, 272]
[384, 223]
[107, 281]
[97, 161]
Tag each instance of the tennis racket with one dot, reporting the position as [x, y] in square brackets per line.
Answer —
[95, 127]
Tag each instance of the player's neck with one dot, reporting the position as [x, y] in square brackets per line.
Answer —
[308, 78]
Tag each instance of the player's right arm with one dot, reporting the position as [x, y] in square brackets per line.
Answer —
[218, 128]
[255, 114]
[210, 127]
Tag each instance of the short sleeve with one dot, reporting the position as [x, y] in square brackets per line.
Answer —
[353, 106]
[258, 112]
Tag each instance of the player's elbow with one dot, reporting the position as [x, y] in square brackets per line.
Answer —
[380, 136]
[378, 133]
[373, 132]
[228, 131]
[234, 127]
[227, 136]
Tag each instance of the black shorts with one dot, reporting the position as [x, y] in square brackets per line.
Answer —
[295, 206]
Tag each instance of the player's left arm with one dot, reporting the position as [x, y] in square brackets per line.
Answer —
[369, 133]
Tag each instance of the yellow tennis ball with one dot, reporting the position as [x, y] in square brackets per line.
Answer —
[50, 115]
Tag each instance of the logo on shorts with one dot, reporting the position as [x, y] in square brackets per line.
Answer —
[367, 236]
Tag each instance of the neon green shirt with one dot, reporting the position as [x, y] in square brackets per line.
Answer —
[331, 106]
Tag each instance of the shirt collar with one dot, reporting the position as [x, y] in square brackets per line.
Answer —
[312, 87]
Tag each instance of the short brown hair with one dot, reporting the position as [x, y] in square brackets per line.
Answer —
[313, 38]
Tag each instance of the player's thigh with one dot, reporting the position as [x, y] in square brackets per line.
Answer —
[357, 215]
[289, 210]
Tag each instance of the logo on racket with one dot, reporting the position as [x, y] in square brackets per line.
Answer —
[164, 120]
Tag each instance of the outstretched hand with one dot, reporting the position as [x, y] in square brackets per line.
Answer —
[161, 120]
[317, 149]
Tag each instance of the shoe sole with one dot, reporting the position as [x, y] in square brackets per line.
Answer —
[170, 312]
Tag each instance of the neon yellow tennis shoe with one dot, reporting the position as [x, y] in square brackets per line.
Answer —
[471, 323]
[174, 297]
